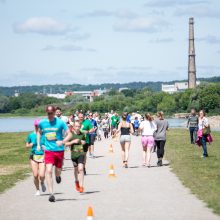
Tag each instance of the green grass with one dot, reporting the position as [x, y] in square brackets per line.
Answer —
[202, 176]
[13, 159]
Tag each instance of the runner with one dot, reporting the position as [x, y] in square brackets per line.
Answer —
[192, 124]
[52, 129]
[147, 129]
[136, 126]
[92, 135]
[106, 125]
[114, 123]
[160, 136]
[76, 139]
[60, 116]
[36, 159]
[86, 128]
[126, 129]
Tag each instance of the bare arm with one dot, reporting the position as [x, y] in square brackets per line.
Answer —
[131, 128]
[38, 139]
[29, 145]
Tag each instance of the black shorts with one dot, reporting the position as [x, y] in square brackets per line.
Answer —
[78, 160]
[86, 147]
[92, 139]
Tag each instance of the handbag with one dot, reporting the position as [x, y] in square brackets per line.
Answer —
[206, 130]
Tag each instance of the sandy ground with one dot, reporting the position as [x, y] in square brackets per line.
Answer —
[136, 193]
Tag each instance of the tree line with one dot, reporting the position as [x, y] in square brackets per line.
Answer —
[206, 96]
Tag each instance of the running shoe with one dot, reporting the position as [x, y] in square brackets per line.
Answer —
[37, 193]
[52, 198]
[58, 179]
[77, 186]
[81, 190]
[43, 187]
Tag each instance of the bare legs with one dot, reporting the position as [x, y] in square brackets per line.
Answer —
[125, 147]
[38, 170]
[147, 155]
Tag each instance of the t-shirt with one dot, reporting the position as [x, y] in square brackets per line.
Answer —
[94, 124]
[77, 149]
[52, 131]
[32, 138]
[128, 118]
[203, 123]
[115, 120]
[148, 128]
[136, 123]
[105, 123]
[162, 126]
[193, 121]
[63, 118]
[86, 126]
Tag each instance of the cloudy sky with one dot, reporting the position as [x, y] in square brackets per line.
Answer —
[99, 41]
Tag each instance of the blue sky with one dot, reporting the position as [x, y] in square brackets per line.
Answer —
[101, 41]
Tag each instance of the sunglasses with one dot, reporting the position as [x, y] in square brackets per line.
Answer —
[50, 113]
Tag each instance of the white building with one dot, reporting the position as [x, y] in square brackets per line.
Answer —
[169, 88]
[58, 96]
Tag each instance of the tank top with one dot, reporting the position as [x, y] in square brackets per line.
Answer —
[125, 130]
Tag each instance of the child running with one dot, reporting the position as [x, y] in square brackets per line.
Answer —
[36, 160]
[147, 128]
[77, 140]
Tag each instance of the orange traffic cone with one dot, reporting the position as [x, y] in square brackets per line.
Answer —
[90, 213]
[111, 149]
[111, 171]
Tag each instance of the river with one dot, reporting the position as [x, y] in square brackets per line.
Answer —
[23, 124]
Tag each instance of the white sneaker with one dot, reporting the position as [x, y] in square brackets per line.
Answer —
[43, 187]
[37, 193]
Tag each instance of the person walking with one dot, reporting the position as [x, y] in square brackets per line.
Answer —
[76, 139]
[147, 129]
[204, 131]
[192, 124]
[52, 129]
[136, 125]
[126, 129]
[36, 159]
[160, 136]
[115, 119]
[106, 125]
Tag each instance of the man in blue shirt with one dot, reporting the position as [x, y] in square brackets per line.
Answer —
[92, 135]
[52, 129]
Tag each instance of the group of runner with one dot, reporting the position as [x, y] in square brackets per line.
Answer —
[79, 132]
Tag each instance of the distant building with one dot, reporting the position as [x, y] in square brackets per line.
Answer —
[176, 87]
[57, 95]
[121, 89]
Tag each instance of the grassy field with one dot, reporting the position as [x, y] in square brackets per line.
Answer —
[202, 176]
[13, 159]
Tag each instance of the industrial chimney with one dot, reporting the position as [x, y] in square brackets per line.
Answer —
[192, 55]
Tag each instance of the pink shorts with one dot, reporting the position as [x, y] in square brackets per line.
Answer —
[55, 158]
[147, 141]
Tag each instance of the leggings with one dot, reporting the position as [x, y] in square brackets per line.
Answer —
[160, 148]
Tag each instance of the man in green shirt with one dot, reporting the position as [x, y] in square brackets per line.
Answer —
[86, 128]
[115, 119]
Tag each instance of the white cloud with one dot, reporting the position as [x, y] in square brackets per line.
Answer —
[210, 39]
[67, 48]
[171, 3]
[162, 40]
[201, 11]
[42, 25]
[140, 24]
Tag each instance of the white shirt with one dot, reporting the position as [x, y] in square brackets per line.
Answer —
[148, 128]
[63, 118]
[203, 123]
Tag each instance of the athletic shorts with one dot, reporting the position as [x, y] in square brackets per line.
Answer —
[147, 141]
[37, 160]
[78, 160]
[86, 147]
[125, 138]
[54, 157]
[92, 139]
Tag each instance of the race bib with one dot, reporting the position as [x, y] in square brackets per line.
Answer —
[38, 158]
[51, 136]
